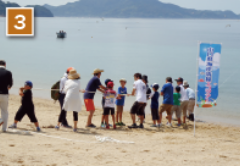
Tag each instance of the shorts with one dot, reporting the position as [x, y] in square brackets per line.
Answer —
[167, 108]
[89, 104]
[191, 105]
[176, 109]
[29, 111]
[109, 110]
[119, 108]
[155, 114]
[184, 107]
[138, 108]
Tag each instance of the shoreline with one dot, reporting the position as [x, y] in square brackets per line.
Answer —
[213, 144]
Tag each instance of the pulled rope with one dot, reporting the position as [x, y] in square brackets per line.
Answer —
[111, 140]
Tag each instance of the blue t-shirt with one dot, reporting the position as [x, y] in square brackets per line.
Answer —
[121, 90]
[92, 86]
[167, 90]
[154, 100]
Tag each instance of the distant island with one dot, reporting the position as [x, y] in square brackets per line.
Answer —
[134, 9]
[39, 11]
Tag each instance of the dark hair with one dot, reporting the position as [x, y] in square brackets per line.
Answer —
[96, 74]
[178, 89]
[2, 63]
[138, 75]
[169, 79]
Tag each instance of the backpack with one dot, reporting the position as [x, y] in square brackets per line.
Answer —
[55, 91]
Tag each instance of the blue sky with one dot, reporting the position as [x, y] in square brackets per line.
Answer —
[195, 4]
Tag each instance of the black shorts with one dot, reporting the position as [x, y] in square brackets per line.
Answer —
[29, 111]
[138, 108]
[155, 114]
[109, 110]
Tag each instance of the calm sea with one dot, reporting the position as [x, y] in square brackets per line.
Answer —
[155, 47]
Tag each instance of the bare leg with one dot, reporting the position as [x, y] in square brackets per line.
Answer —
[179, 121]
[89, 122]
[133, 118]
[154, 122]
[117, 115]
[36, 124]
[75, 124]
[120, 116]
[102, 119]
[141, 119]
[160, 117]
[106, 120]
[184, 119]
[113, 119]
[169, 119]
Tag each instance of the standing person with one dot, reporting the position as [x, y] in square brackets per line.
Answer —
[93, 85]
[103, 123]
[184, 99]
[6, 83]
[155, 104]
[167, 93]
[139, 89]
[62, 96]
[122, 90]
[148, 93]
[27, 106]
[191, 94]
[176, 105]
[109, 105]
[72, 101]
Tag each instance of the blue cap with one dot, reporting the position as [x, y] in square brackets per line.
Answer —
[29, 83]
[107, 81]
[155, 86]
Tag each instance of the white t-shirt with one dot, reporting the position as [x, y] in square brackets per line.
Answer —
[184, 95]
[141, 91]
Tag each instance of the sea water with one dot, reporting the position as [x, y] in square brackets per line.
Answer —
[156, 47]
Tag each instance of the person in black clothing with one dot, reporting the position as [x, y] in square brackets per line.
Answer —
[6, 83]
[27, 106]
[149, 91]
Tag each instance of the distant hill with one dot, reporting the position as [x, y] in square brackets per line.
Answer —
[39, 11]
[134, 9]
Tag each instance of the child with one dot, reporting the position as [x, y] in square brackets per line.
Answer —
[109, 105]
[103, 125]
[27, 106]
[155, 104]
[176, 106]
[120, 102]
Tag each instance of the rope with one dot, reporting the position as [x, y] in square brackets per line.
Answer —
[111, 140]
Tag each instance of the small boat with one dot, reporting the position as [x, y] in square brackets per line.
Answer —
[61, 34]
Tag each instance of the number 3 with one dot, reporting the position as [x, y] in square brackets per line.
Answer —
[20, 22]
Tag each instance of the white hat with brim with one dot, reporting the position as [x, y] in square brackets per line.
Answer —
[96, 71]
[185, 84]
[122, 80]
[73, 74]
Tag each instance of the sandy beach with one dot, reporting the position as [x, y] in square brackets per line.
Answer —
[213, 144]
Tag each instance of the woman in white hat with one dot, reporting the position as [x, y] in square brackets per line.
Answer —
[72, 101]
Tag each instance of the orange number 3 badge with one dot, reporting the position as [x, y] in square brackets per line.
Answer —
[20, 21]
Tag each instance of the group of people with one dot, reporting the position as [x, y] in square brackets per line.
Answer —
[179, 100]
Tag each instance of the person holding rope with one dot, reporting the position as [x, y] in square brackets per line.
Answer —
[72, 101]
[62, 96]
[93, 85]
[139, 89]
[5, 85]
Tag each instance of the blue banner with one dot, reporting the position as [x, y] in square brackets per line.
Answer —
[208, 74]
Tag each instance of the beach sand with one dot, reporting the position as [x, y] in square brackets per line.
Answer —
[213, 144]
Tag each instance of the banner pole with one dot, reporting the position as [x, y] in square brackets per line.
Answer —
[196, 88]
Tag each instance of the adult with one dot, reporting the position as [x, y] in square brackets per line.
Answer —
[139, 88]
[72, 101]
[93, 85]
[167, 93]
[61, 98]
[6, 83]
[149, 91]
[184, 99]
[191, 94]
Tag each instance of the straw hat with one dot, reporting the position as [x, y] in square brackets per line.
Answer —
[185, 84]
[96, 71]
[73, 74]
[122, 80]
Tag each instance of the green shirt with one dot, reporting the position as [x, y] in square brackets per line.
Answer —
[176, 97]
